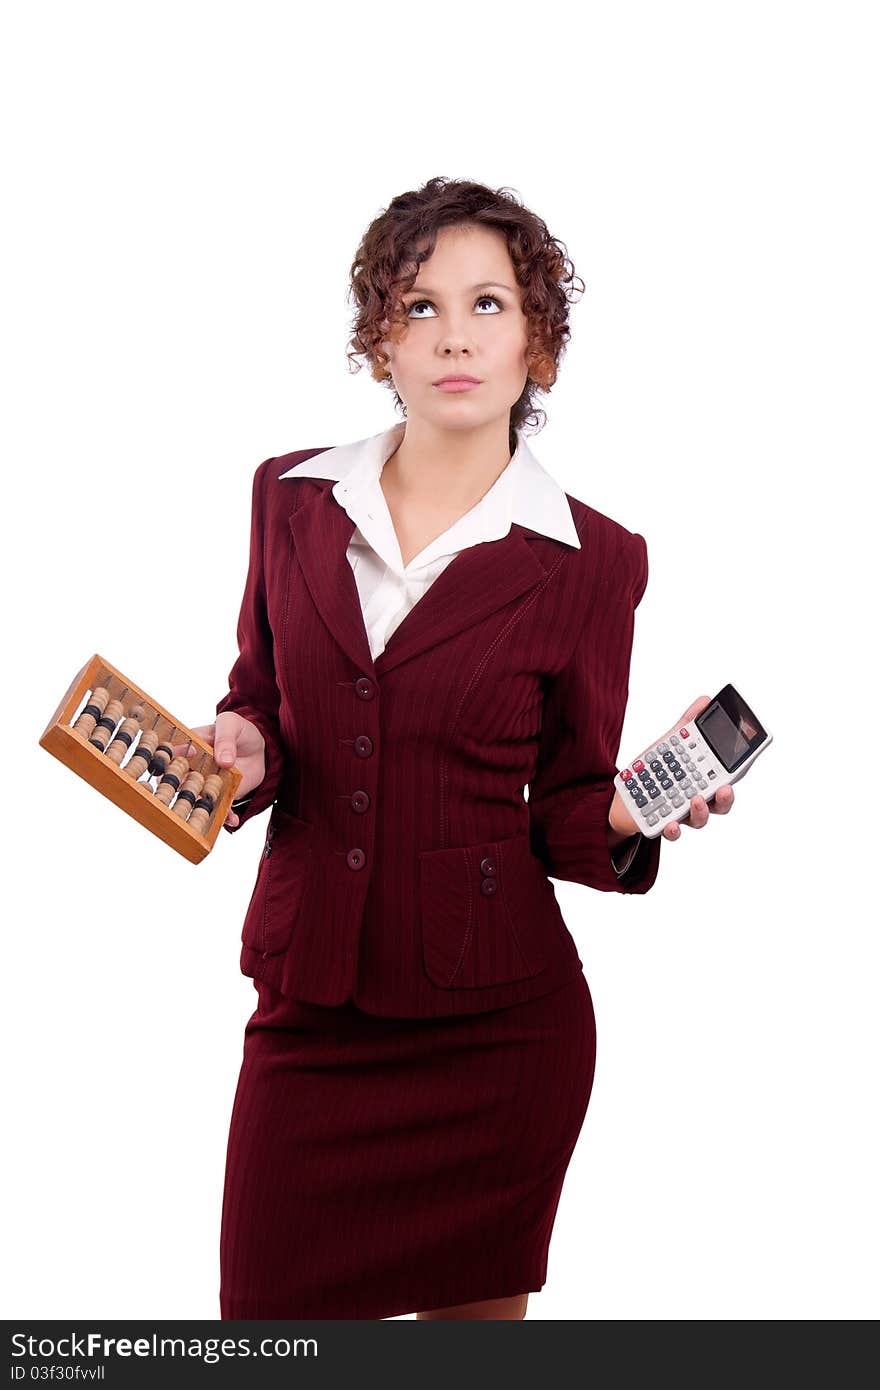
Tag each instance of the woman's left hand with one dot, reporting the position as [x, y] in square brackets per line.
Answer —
[700, 809]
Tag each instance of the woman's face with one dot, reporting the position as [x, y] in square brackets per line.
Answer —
[463, 315]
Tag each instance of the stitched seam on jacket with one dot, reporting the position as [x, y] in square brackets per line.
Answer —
[470, 918]
[502, 877]
[475, 676]
[264, 925]
[287, 597]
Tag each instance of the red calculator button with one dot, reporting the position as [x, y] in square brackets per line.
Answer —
[626, 774]
[684, 733]
[638, 765]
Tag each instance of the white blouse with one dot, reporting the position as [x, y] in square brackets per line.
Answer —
[524, 493]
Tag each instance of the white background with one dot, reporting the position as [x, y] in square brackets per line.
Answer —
[186, 188]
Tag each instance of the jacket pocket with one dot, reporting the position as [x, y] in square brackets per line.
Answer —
[282, 880]
[487, 913]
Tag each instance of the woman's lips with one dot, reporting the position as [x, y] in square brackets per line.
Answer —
[457, 385]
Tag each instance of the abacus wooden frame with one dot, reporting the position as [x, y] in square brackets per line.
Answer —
[74, 750]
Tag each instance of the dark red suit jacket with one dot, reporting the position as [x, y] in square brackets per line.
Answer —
[403, 867]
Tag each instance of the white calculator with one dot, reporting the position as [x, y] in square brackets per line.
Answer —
[715, 749]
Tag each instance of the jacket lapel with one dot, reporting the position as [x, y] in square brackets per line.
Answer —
[478, 581]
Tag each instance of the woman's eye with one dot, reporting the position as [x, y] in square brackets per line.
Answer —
[483, 299]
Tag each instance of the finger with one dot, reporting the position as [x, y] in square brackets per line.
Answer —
[184, 750]
[232, 819]
[721, 801]
[188, 750]
[698, 814]
[226, 729]
[696, 708]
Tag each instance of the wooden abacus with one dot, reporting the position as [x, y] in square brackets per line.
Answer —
[119, 739]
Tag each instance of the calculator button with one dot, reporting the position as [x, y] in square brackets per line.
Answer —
[631, 783]
[638, 765]
[641, 800]
[675, 739]
[654, 792]
[652, 820]
[684, 733]
[711, 772]
[693, 743]
[702, 783]
[662, 747]
[656, 765]
[664, 810]
[626, 776]
[680, 774]
[688, 790]
[666, 783]
[668, 757]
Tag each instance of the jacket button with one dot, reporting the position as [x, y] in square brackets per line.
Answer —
[360, 801]
[356, 859]
[488, 886]
[365, 688]
[363, 745]
[488, 865]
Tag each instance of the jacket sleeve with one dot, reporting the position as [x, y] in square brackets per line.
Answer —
[253, 689]
[571, 793]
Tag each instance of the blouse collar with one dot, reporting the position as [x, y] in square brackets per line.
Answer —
[523, 493]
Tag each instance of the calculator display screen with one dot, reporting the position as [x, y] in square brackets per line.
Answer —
[730, 729]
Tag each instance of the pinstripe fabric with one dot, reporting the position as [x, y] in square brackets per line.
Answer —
[379, 1167]
[398, 783]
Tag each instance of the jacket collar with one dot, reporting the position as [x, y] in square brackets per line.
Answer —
[479, 580]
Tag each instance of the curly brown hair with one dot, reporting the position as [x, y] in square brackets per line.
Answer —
[405, 234]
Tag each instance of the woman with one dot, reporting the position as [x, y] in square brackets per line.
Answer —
[429, 624]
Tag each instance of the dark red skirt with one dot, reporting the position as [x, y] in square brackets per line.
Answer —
[387, 1166]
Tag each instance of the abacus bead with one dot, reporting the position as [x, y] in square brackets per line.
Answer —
[184, 803]
[93, 711]
[171, 781]
[123, 740]
[161, 758]
[186, 797]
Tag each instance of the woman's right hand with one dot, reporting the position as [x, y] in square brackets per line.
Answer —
[233, 740]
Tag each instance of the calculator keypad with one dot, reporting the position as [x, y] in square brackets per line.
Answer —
[666, 776]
